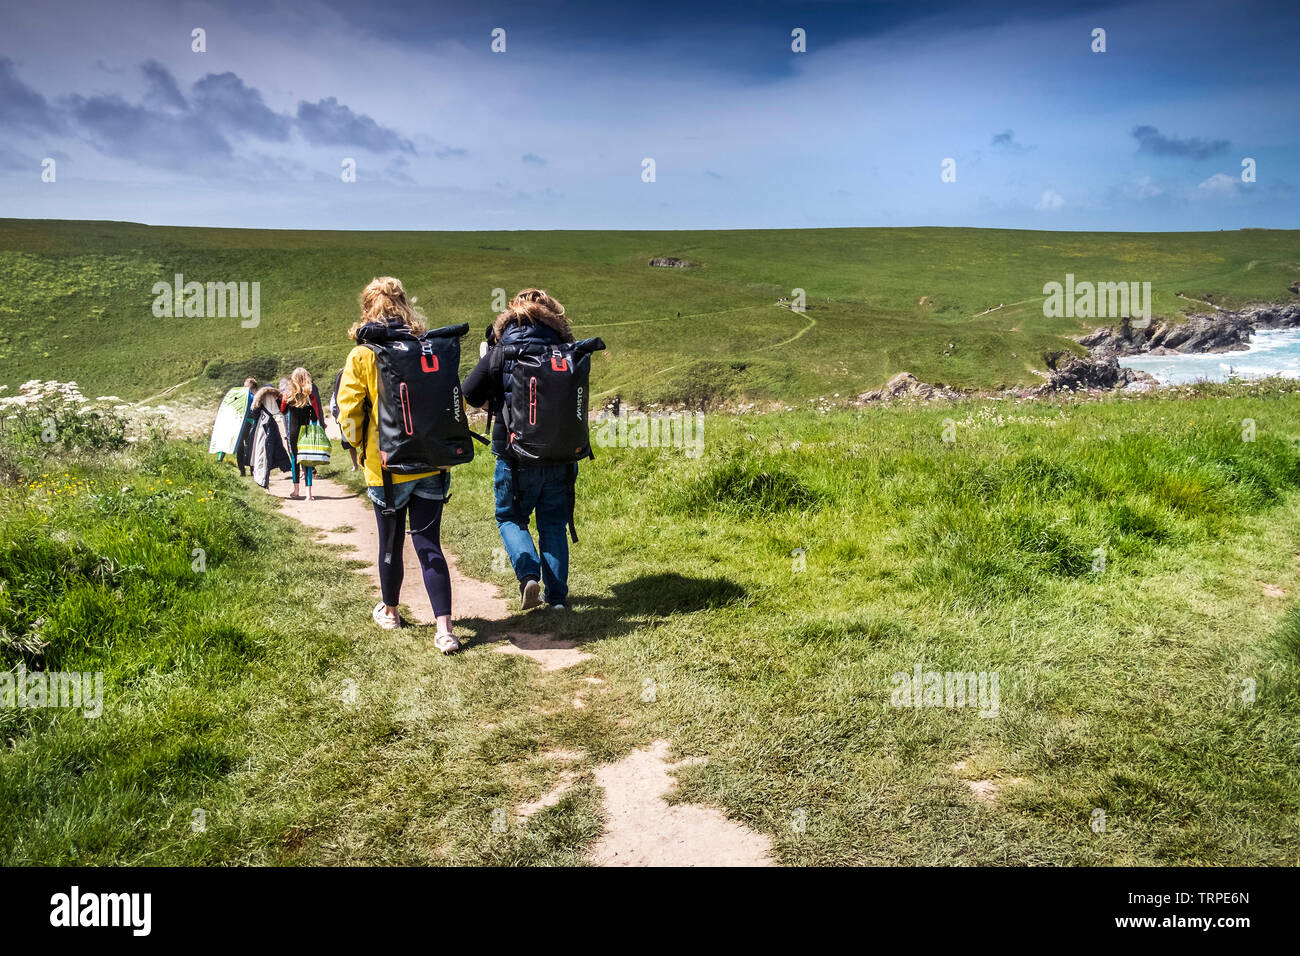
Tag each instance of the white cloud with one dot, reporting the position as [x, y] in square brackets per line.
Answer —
[1218, 186]
[1050, 200]
[1142, 188]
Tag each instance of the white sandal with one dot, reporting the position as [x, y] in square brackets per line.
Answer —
[389, 622]
[446, 642]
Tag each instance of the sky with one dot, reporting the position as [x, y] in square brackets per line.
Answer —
[261, 128]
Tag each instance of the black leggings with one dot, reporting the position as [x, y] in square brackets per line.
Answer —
[426, 524]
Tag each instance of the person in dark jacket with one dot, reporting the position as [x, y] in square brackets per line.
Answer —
[244, 443]
[269, 445]
[300, 404]
[522, 490]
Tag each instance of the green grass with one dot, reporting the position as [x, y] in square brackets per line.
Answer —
[1121, 688]
[226, 686]
[256, 689]
[78, 295]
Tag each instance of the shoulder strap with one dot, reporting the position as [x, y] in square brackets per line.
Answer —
[573, 480]
[391, 531]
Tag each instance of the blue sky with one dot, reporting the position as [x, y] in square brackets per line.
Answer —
[745, 133]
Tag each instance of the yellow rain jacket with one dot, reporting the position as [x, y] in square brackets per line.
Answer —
[359, 384]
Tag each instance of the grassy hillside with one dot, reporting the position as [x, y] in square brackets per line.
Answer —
[1127, 567]
[1121, 683]
[75, 300]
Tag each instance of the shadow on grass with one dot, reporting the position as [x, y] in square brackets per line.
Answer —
[630, 605]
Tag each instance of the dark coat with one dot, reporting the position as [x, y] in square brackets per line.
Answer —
[269, 441]
[244, 444]
[481, 386]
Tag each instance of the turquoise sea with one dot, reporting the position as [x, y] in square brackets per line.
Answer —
[1271, 352]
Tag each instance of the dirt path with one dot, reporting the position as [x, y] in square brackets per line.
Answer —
[348, 519]
[642, 828]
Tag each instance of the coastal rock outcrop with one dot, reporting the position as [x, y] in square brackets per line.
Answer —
[1274, 316]
[903, 385]
[1123, 339]
[1222, 332]
[1073, 373]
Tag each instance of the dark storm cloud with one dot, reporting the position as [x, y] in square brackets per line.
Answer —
[172, 130]
[161, 89]
[130, 131]
[328, 122]
[224, 99]
[740, 37]
[1151, 140]
[21, 107]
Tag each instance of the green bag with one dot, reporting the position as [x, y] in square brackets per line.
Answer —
[313, 445]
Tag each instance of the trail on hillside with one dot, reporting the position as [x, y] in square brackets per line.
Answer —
[166, 391]
[642, 829]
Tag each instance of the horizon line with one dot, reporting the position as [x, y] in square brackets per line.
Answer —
[1151, 232]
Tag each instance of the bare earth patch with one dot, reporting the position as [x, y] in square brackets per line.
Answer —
[551, 653]
[986, 790]
[642, 829]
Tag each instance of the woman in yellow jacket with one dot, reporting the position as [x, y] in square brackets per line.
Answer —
[420, 496]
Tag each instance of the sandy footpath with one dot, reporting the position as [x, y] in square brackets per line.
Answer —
[335, 508]
[642, 828]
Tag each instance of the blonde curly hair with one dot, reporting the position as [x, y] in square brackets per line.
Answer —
[532, 306]
[299, 391]
[383, 298]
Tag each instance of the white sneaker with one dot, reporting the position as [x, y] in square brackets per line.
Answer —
[530, 594]
[389, 622]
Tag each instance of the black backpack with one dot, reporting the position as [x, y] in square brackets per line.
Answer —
[545, 414]
[421, 414]
[545, 411]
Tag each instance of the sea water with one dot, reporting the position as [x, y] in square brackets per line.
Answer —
[1271, 352]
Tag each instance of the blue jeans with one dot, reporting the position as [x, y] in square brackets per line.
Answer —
[543, 489]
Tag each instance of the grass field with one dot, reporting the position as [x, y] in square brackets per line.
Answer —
[1127, 567]
[76, 298]
[1121, 686]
